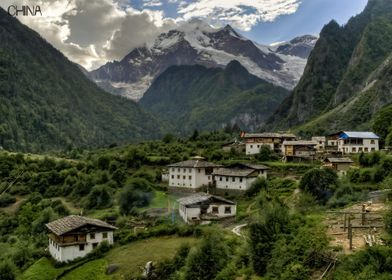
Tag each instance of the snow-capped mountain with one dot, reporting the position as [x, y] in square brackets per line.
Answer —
[300, 46]
[196, 42]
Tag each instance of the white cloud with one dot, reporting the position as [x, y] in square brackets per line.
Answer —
[242, 14]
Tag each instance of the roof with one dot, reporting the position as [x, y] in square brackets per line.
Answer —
[358, 134]
[234, 143]
[72, 222]
[199, 198]
[269, 135]
[255, 166]
[238, 172]
[339, 160]
[300, 143]
[194, 163]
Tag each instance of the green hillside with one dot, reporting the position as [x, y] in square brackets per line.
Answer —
[195, 97]
[46, 103]
[346, 80]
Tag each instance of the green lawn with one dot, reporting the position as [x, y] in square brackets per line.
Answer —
[43, 269]
[130, 259]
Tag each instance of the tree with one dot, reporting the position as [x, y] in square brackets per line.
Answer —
[208, 259]
[99, 197]
[7, 271]
[266, 154]
[137, 193]
[321, 183]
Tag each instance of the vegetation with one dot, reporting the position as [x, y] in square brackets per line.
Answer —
[186, 93]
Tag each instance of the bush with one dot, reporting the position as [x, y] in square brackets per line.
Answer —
[321, 183]
[100, 197]
[138, 193]
[7, 271]
[258, 185]
[266, 154]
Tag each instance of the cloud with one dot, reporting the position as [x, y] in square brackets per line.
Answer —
[242, 14]
[91, 33]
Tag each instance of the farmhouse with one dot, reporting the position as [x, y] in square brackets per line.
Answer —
[355, 141]
[341, 165]
[191, 174]
[74, 236]
[236, 146]
[321, 142]
[202, 207]
[299, 150]
[254, 141]
[239, 176]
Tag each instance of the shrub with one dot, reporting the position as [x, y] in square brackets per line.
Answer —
[320, 183]
[258, 185]
[100, 197]
[266, 154]
[137, 193]
[7, 271]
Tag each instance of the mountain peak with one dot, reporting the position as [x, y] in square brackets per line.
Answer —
[235, 66]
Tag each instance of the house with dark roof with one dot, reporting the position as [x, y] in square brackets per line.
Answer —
[340, 165]
[74, 236]
[239, 176]
[191, 174]
[299, 150]
[351, 142]
[254, 141]
[201, 208]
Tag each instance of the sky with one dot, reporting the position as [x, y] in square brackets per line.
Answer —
[93, 32]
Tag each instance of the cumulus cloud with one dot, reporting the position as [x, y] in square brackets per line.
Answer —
[242, 14]
[91, 33]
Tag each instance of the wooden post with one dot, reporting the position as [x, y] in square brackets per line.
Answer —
[363, 214]
[345, 222]
[350, 233]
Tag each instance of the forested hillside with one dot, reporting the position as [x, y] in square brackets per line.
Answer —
[347, 77]
[195, 97]
[46, 102]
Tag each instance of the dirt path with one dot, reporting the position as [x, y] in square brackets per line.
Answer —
[237, 229]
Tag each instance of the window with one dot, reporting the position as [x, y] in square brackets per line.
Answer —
[354, 150]
[366, 149]
[215, 209]
[179, 170]
[220, 178]
[240, 180]
[233, 179]
[372, 142]
[227, 179]
[178, 177]
[184, 170]
[76, 237]
[209, 178]
[190, 177]
[184, 177]
[190, 170]
[227, 210]
[172, 176]
[95, 245]
[360, 149]
[198, 170]
[81, 247]
[105, 235]
[92, 235]
[373, 149]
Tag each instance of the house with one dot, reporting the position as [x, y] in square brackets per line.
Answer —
[351, 142]
[237, 146]
[254, 141]
[340, 165]
[74, 236]
[191, 174]
[238, 176]
[321, 142]
[299, 150]
[202, 207]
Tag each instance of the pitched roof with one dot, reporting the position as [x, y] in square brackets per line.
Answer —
[238, 172]
[194, 163]
[339, 160]
[72, 222]
[199, 198]
[300, 143]
[269, 135]
[255, 166]
[358, 134]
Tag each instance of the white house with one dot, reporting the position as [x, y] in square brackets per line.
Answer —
[321, 142]
[191, 174]
[202, 207]
[254, 141]
[238, 176]
[351, 142]
[74, 236]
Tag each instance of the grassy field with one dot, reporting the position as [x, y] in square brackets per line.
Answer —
[130, 258]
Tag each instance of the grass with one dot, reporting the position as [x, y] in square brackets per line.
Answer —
[130, 258]
[43, 269]
[161, 200]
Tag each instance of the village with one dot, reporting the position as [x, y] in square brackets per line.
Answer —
[205, 184]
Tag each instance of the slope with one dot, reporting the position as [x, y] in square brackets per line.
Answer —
[341, 88]
[196, 97]
[47, 103]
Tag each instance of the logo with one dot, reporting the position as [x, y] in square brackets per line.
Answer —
[24, 10]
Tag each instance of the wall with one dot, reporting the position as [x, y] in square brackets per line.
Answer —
[366, 147]
[221, 210]
[254, 148]
[182, 177]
